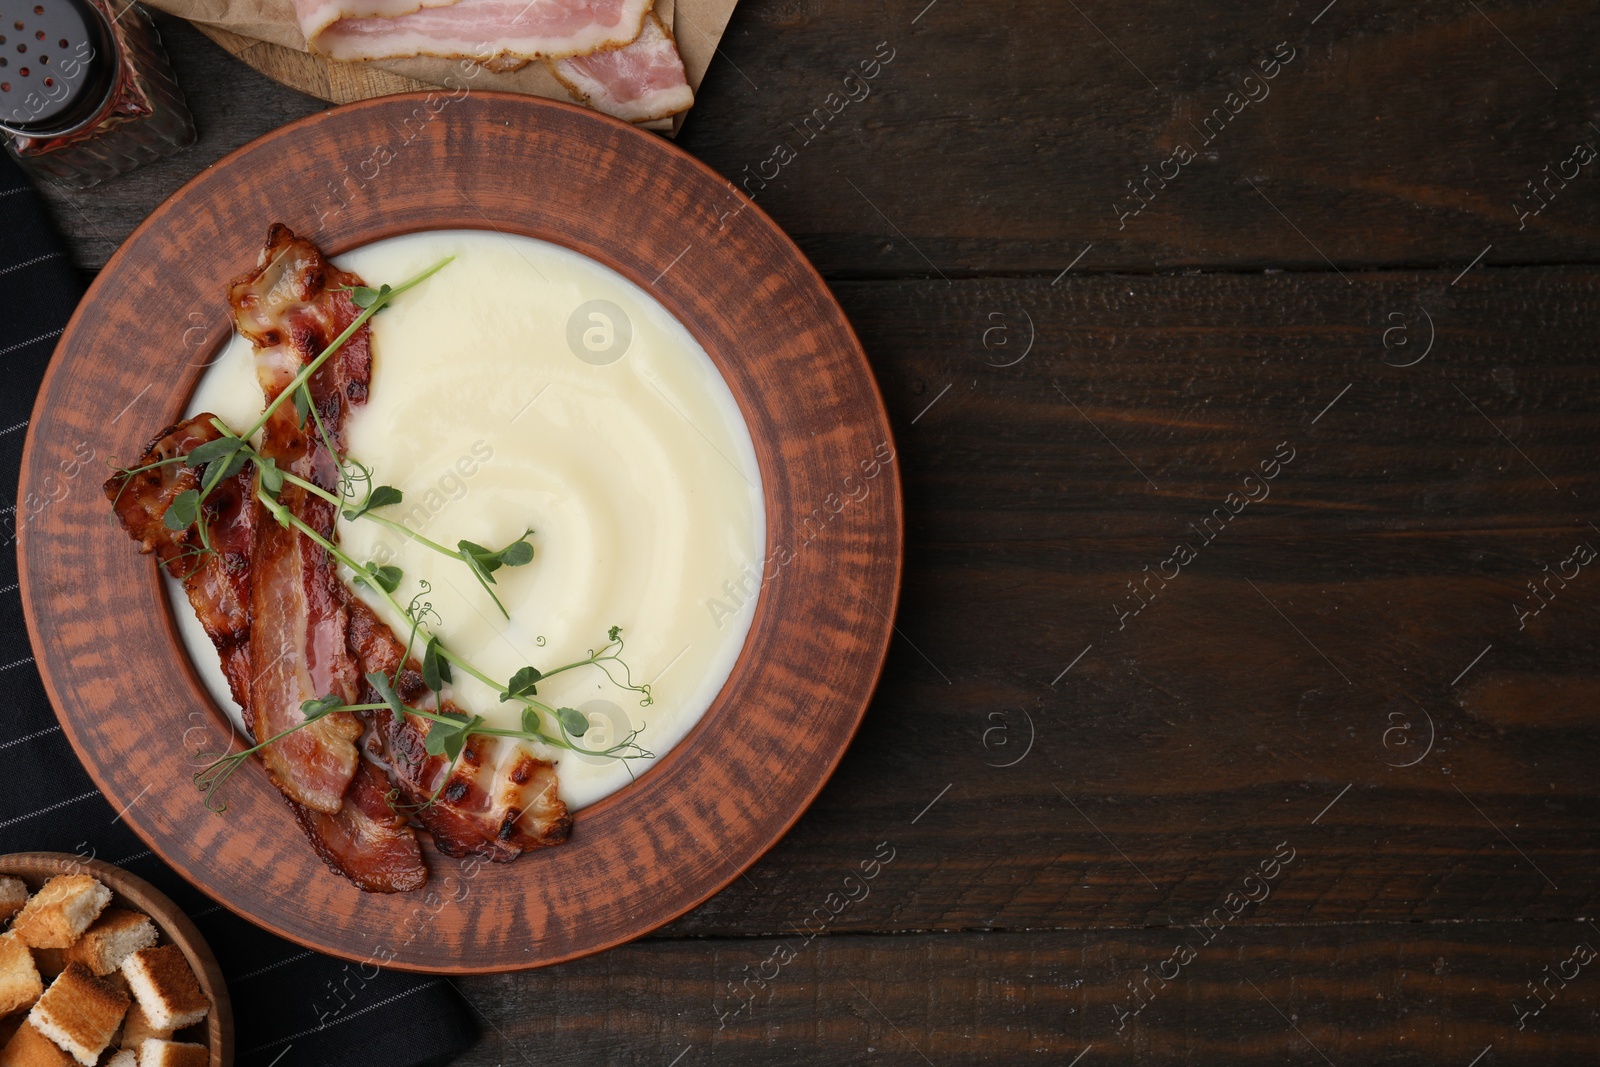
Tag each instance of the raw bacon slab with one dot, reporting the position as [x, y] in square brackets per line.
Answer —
[482, 29]
[641, 82]
[314, 16]
[291, 308]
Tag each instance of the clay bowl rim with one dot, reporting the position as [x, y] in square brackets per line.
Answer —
[885, 536]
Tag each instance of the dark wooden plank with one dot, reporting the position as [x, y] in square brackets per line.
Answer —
[1227, 715]
[1001, 137]
[1253, 994]
[1004, 137]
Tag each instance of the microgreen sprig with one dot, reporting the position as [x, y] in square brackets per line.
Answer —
[483, 562]
[358, 497]
[211, 778]
[522, 687]
[380, 299]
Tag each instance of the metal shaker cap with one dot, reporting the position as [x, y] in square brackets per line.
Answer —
[58, 62]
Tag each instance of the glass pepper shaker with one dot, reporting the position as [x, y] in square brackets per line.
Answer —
[86, 91]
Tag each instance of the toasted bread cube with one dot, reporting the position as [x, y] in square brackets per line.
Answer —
[123, 1058]
[80, 1013]
[29, 1048]
[137, 1028]
[58, 914]
[20, 984]
[158, 1053]
[115, 936]
[165, 988]
[13, 895]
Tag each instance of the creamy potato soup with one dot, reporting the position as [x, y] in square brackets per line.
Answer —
[522, 387]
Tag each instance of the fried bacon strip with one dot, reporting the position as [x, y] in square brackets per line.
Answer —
[290, 309]
[500, 800]
[268, 595]
[218, 583]
[364, 840]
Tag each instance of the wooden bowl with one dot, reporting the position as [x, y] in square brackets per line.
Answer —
[174, 927]
[104, 637]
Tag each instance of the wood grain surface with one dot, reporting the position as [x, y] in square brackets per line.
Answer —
[709, 806]
[338, 83]
[1187, 746]
[174, 927]
[1417, 995]
[1000, 136]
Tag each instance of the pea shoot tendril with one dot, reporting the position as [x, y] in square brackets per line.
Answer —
[359, 496]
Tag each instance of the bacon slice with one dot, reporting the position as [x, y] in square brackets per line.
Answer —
[367, 841]
[314, 16]
[499, 801]
[638, 83]
[291, 310]
[477, 29]
[218, 584]
[364, 841]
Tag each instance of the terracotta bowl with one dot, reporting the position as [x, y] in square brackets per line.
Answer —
[105, 638]
[174, 927]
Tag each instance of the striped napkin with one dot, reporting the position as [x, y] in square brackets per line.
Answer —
[292, 1007]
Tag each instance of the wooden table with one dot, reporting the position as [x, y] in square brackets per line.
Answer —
[1318, 785]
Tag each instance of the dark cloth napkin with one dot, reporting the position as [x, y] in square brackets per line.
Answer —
[292, 1007]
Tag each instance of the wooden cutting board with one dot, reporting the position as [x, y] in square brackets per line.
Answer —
[344, 83]
[340, 83]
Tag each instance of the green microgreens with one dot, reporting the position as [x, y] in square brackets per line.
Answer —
[364, 296]
[386, 577]
[449, 735]
[610, 653]
[211, 778]
[222, 458]
[377, 497]
[522, 684]
[183, 510]
[572, 721]
[435, 668]
[378, 302]
[224, 447]
[483, 562]
[385, 689]
[270, 476]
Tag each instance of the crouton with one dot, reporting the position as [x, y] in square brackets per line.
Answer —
[113, 937]
[123, 1058]
[29, 1048]
[165, 988]
[80, 1012]
[13, 895]
[58, 914]
[136, 1028]
[158, 1053]
[20, 984]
